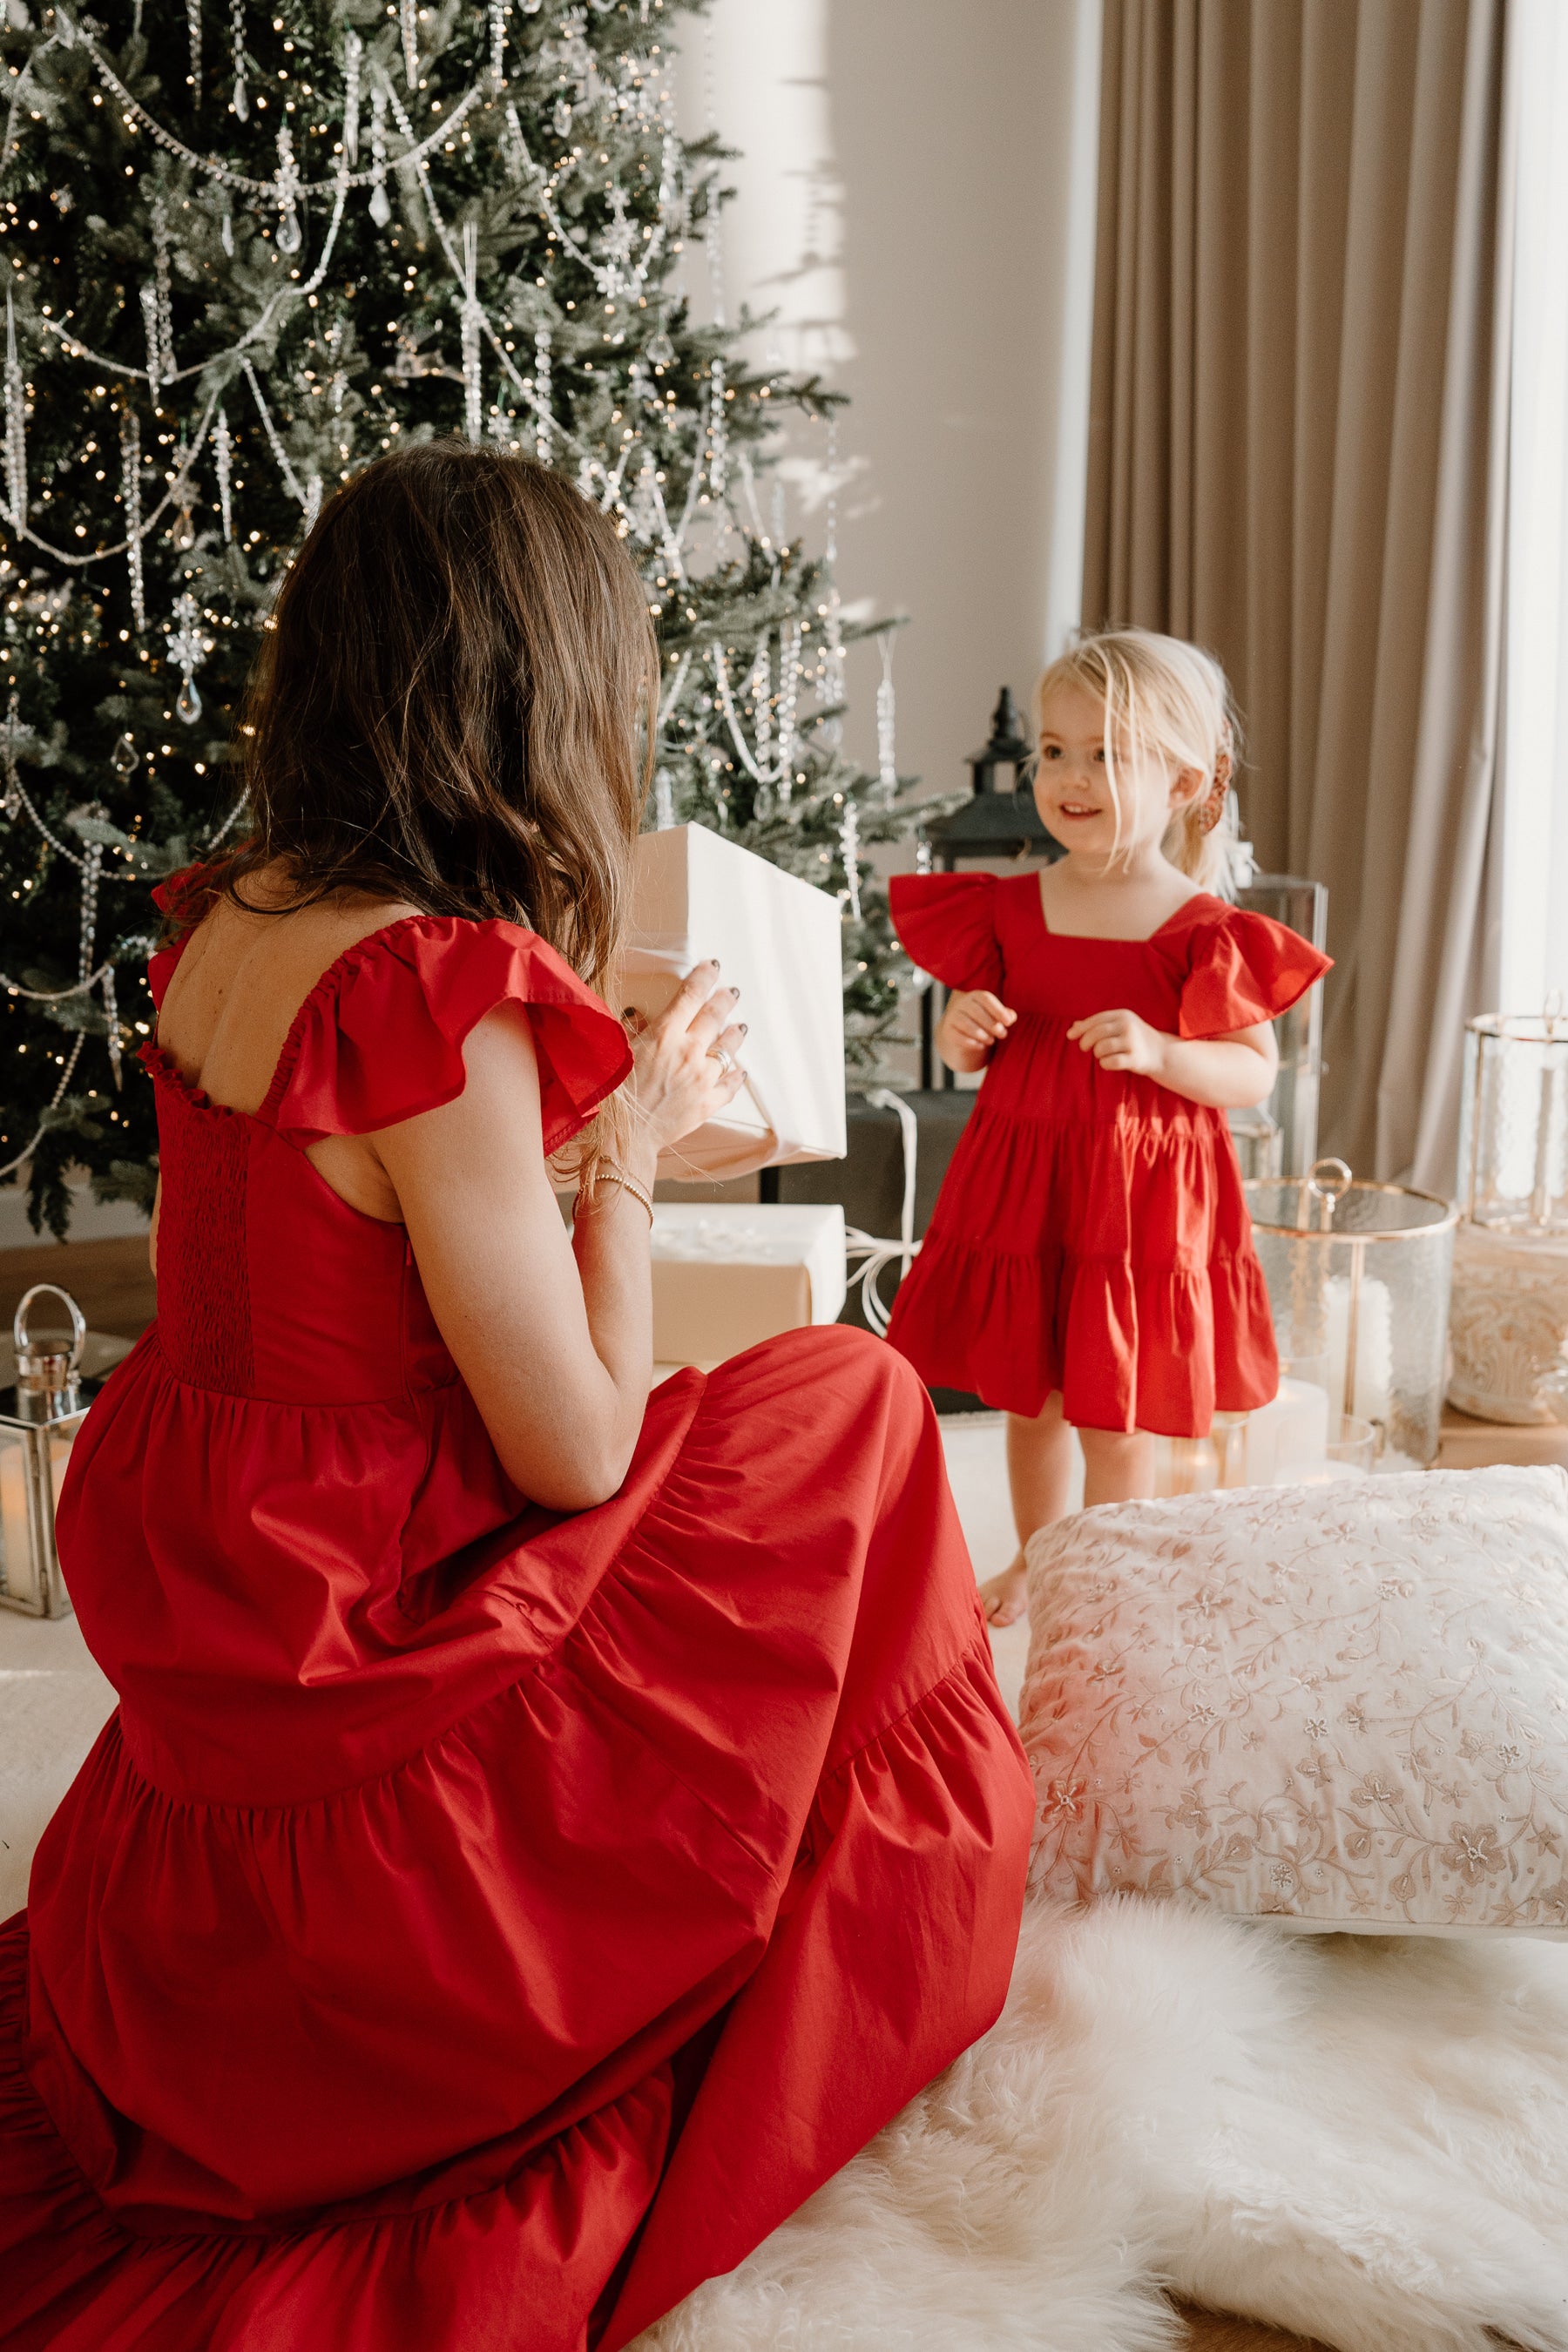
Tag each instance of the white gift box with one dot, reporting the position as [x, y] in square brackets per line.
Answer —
[778, 940]
[729, 1274]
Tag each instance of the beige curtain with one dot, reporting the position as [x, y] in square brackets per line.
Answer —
[1297, 457]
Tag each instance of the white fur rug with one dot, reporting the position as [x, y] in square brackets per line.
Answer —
[1363, 2139]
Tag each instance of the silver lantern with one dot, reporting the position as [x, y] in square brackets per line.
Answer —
[40, 1416]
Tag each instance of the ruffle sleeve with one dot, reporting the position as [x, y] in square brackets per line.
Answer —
[948, 924]
[380, 1037]
[182, 899]
[1245, 970]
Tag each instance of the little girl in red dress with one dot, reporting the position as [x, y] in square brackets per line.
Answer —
[1090, 1263]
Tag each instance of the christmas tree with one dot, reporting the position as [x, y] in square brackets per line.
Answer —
[251, 246]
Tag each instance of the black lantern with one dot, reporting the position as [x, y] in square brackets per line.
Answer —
[998, 825]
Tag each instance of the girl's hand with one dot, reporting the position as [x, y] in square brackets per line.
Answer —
[1120, 1041]
[678, 1081]
[977, 1019]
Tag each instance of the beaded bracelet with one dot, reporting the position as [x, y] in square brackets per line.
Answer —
[607, 1174]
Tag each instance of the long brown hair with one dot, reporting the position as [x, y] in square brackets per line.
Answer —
[448, 700]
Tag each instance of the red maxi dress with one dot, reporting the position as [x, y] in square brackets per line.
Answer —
[1091, 1234]
[476, 1926]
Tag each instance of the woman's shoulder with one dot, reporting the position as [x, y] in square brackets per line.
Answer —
[380, 1037]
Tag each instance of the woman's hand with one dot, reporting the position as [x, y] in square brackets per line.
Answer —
[973, 1022]
[1120, 1041]
[678, 1082]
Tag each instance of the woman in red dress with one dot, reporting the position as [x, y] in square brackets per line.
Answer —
[1090, 1263]
[545, 1829]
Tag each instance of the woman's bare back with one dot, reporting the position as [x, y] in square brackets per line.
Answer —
[233, 997]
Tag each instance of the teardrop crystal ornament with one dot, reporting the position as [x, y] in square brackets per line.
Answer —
[125, 759]
[188, 702]
[660, 351]
[241, 102]
[562, 118]
[380, 204]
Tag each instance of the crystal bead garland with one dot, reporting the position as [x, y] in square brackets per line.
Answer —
[193, 29]
[131, 493]
[789, 693]
[497, 41]
[155, 356]
[16, 428]
[542, 394]
[759, 694]
[408, 15]
[380, 202]
[240, 100]
[353, 53]
[886, 746]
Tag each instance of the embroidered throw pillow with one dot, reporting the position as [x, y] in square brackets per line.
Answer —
[1343, 1707]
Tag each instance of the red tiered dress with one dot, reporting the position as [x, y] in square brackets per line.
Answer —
[476, 1926]
[1091, 1234]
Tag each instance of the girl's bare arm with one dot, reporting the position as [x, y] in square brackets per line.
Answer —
[1232, 1073]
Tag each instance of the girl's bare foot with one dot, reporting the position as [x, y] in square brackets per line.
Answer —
[1003, 1597]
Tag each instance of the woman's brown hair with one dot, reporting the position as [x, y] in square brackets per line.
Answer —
[448, 703]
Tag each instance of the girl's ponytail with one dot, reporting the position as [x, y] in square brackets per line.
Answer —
[1202, 836]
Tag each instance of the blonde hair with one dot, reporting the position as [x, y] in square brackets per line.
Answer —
[1165, 698]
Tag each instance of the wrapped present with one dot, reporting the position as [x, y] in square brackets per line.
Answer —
[1507, 1325]
[779, 941]
[729, 1274]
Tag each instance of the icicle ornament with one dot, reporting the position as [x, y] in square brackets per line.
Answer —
[542, 394]
[849, 850]
[131, 494]
[240, 101]
[887, 707]
[380, 202]
[663, 800]
[354, 57]
[287, 187]
[223, 466]
[16, 428]
[473, 327]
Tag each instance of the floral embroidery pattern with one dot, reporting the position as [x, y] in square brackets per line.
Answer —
[1339, 1704]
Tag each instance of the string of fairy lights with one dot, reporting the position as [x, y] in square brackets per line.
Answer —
[366, 132]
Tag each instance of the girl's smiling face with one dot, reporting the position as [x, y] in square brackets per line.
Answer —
[1073, 790]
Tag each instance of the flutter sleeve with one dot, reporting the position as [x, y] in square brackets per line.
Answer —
[182, 899]
[380, 1038]
[1245, 970]
[947, 922]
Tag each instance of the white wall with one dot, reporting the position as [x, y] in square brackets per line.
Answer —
[916, 196]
